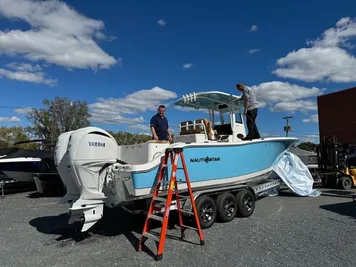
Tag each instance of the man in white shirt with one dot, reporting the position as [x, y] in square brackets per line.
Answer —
[250, 110]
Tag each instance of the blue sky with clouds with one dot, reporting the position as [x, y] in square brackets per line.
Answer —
[126, 57]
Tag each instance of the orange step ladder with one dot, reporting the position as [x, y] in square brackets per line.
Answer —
[173, 154]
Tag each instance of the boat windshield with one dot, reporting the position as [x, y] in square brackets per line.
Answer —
[224, 118]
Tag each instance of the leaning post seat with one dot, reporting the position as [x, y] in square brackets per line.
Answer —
[186, 127]
[208, 128]
[192, 127]
[198, 126]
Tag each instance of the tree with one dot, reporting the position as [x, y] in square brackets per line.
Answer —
[11, 135]
[307, 146]
[126, 138]
[58, 116]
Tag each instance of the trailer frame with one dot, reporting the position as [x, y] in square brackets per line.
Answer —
[245, 195]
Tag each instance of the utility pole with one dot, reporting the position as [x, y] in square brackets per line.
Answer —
[287, 128]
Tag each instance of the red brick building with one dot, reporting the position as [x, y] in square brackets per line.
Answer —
[337, 116]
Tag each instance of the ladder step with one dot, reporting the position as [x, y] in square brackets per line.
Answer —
[162, 199]
[149, 235]
[155, 217]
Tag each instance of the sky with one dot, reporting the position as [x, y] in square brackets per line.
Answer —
[125, 58]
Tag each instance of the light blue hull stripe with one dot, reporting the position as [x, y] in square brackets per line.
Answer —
[211, 163]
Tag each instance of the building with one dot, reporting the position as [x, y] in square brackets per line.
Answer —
[337, 116]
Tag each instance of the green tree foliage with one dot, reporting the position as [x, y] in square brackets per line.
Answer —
[307, 146]
[11, 135]
[60, 114]
[126, 138]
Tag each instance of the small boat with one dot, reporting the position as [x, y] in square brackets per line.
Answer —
[96, 171]
[21, 164]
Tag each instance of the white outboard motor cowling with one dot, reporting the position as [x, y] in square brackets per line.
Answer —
[61, 160]
[91, 152]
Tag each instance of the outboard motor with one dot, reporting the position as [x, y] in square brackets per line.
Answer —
[91, 152]
[61, 160]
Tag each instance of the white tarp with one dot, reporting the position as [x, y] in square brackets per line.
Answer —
[296, 175]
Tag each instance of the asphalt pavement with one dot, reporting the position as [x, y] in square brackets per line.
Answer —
[283, 231]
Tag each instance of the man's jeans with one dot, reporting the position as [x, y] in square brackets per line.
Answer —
[251, 124]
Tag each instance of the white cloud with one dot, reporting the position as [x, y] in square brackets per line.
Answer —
[254, 28]
[23, 110]
[139, 127]
[111, 110]
[313, 118]
[25, 73]
[161, 22]
[102, 117]
[285, 96]
[327, 60]
[300, 105]
[188, 66]
[24, 67]
[10, 119]
[253, 51]
[58, 35]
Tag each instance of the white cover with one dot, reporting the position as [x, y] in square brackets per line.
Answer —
[296, 175]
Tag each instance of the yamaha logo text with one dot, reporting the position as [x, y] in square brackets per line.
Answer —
[97, 144]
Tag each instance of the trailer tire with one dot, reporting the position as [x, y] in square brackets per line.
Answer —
[345, 182]
[207, 212]
[226, 205]
[245, 203]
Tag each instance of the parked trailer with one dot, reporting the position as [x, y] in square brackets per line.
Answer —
[223, 203]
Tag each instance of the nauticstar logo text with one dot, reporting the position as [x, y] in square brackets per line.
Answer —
[99, 144]
[206, 159]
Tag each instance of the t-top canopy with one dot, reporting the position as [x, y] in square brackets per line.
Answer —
[213, 100]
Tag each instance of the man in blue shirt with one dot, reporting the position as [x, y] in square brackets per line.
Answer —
[159, 125]
[250, 110]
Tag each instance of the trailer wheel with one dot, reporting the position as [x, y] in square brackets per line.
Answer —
[245, 203]
[345, 182]
[226, 205]
[206, 210]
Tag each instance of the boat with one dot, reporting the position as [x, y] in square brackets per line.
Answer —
[21, 164]
[97, 172]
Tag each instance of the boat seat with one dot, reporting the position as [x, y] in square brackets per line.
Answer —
[186, 127]
[198, 126]
[208, 128]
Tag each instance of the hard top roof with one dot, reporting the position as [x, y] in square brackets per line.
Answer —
[214, 100]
